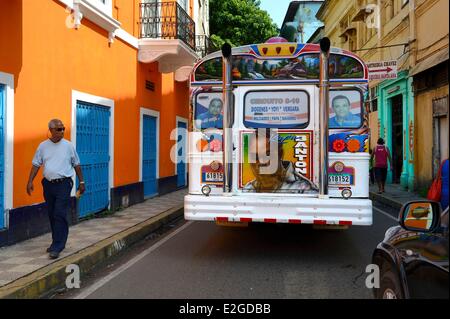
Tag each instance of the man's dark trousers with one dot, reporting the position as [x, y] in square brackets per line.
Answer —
[57, 197]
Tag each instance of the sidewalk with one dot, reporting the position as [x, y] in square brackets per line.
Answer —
[394, 195]
[27, 272]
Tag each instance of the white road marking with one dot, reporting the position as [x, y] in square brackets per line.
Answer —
[97, 285]
[384, 213]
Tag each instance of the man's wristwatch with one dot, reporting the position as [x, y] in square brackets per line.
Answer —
[81, 182]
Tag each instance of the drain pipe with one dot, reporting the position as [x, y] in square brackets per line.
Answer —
[324, 110]
[227, 97]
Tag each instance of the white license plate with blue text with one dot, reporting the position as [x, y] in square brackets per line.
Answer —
[213, 177]
[341, 179]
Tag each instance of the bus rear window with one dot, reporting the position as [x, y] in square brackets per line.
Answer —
[276, 109]
[304, 67]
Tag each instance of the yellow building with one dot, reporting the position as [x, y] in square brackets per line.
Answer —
[410, 32]
[430, 74]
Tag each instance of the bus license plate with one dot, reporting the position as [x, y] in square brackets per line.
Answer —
[213, 177]
[341, 179]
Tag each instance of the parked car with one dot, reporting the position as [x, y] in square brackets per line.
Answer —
[413, 257]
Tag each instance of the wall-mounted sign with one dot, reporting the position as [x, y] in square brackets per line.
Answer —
[393, 89]
[382, 70]
[440, 106]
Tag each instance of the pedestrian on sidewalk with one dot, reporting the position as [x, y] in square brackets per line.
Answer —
[59, 159]
[381, 154]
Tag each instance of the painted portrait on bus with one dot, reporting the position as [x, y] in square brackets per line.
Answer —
[269, 170]
[209, 111]
[345, 109]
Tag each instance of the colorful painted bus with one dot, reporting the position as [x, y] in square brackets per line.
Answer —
[278, 133]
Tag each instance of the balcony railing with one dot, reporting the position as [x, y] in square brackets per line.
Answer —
[167, 20]
[203, 45]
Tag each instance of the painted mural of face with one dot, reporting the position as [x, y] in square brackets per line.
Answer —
[341, 107]
[267, 163]
[215, 107]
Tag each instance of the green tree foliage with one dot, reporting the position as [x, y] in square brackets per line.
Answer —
[289, 32]
[239, 22]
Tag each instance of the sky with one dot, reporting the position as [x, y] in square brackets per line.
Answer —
[276, 8]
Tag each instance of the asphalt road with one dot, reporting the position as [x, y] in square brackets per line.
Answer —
[203, 260]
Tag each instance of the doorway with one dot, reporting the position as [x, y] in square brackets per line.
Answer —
[397, 137]
[149, 155]
[181, 155]
[93, 147]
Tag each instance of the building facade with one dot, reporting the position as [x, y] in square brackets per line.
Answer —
[386, 30]
[430, 85]
[115, 72]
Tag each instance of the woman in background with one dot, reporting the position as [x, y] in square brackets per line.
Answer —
[380, 166]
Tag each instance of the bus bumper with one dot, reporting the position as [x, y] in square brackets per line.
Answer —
[271, 209]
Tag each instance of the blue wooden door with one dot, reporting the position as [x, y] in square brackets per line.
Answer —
[2, 154]
[93, 149]
[181, 149]
[149, 155]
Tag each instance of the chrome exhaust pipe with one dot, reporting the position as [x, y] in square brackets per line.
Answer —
[227, 97]
[324, 110]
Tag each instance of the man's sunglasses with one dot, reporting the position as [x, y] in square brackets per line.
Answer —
[59, 129]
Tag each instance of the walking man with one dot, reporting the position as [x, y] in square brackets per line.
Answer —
[59, 158]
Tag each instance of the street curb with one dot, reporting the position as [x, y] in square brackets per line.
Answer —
[51, 277]
[385, 200]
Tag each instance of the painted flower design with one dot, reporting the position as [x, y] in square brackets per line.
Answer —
[202, 145]
[353, 145]
[338, 146]
[215, 145]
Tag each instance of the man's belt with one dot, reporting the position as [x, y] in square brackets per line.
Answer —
[59, 180]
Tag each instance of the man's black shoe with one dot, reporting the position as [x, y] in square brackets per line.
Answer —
[49, 249]
[53, 254]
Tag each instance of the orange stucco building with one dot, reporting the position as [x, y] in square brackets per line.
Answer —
[115, 76]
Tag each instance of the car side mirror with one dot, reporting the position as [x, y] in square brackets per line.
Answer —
[422, 216]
